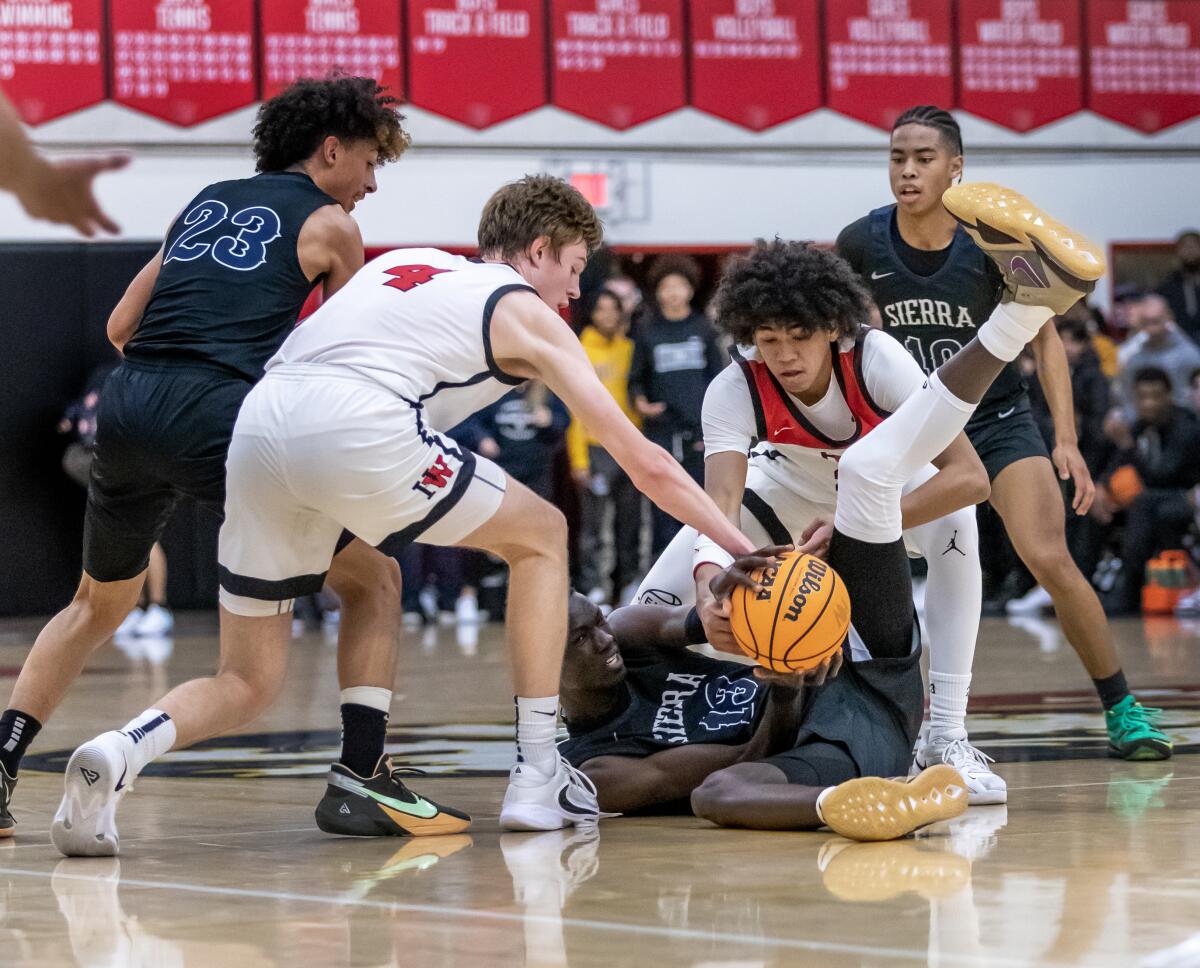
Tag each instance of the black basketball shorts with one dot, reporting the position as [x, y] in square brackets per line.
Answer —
[162, 432]
[1005, 438]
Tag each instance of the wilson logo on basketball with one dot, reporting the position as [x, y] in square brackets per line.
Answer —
[811, 582]
[437, 475]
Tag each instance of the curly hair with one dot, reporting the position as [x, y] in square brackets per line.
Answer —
[790, 284]
[294, 123]
[673, 265]
[521, 212]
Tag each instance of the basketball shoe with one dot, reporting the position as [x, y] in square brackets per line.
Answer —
[97, 777]
[1133, 732]
[382, 806]
[7, 785]
[1044, 262]
[875, 808]
[955, 750]
[535, 801]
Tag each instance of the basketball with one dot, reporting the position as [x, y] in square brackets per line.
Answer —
[800, 617]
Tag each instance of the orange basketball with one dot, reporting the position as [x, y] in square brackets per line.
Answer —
[800, 617]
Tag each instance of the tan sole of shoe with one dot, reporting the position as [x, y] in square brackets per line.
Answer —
[880, 872]
[873, 808]
[999, 218]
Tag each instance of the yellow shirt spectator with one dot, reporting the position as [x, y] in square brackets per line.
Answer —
[611, 356]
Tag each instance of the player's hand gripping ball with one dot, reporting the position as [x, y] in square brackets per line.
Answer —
[799, 618]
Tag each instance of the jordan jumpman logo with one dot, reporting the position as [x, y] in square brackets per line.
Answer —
[953, 545]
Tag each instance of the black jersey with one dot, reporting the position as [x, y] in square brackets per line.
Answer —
[933, 302]
[679, 698]
[231, 287]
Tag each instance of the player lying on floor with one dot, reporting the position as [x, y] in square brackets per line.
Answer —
[634, 733]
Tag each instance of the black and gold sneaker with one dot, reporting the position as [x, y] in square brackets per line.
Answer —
[1045, 262]
[7, 785]
[382, 806]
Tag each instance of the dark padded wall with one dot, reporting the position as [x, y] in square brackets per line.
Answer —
[54, 303]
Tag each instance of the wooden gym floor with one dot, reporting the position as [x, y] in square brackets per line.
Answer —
[1093, 861]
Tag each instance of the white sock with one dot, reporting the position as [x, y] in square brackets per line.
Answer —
[1011, 327]
[820, 799]
[948, 702]
[373, 697]
[150, 734]
[537, 726]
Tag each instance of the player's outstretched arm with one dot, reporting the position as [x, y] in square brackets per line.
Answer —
[531, 341]
[54, 191]
[126, 316]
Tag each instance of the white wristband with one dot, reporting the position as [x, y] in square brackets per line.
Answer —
[708, 552]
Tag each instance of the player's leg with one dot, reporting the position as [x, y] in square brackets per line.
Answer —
[530, 535]
[127, 507]
[1027, 496]
[368, 584]
[817, 785]
[953, 598]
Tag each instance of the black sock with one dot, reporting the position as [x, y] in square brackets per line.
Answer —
[1113, 689]
[17, 730]
[364, 730]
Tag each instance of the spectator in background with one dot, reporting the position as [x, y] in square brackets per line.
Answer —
[602, 482]
[152, 617]
[522, 432]
[1181, 289]
[1103, 345]
[1156, 464]
[1157, 342]
[675, 356]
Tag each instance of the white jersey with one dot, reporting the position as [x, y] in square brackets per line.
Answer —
[733, 419]
[417, 322]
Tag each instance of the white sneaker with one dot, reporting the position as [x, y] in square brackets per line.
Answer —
[1033, 602]
[128, 628]
[466, 610]
[97, 777]
[1189, 604]
[156, 621]
[983, 786]
[535, 801]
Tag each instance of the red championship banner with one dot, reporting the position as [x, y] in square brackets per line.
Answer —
[184, 61]
[887, 55]
[1144, 61]
[1020, 61]
[755, 62]
[50, 56]
[619, 62]
[309, 38]
[478, 62]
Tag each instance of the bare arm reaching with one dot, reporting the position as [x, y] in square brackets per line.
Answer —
[126, 316]
[531, 341]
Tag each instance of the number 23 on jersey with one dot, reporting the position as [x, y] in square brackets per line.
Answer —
[256, 228]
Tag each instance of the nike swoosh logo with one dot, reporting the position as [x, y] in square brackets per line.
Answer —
[1006, 413]
[565, 802]
[422, 808]
[543, 713]
[121, 782]
[881, 275]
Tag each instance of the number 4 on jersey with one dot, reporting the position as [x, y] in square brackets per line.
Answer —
[409, 277]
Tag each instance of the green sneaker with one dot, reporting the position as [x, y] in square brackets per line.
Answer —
[1133, 733]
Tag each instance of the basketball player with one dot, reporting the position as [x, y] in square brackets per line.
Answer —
[934, 288]
[816, 378]
[54, 191]
[196, 326]
[344, 432]
[796, 789]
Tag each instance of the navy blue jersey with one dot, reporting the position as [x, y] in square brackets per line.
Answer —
[231, 287]
[933, 302]
[674, 699]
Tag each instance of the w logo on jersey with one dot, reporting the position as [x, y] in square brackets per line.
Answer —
[437, 475]
[409, 277]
